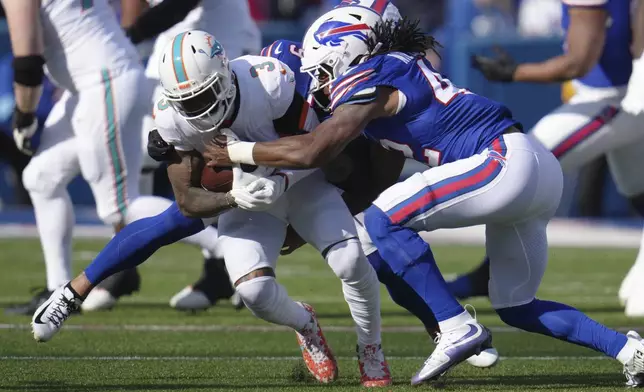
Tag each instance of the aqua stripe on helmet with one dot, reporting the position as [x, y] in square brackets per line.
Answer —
[177, 59]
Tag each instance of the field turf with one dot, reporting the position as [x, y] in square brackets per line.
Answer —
[143, 345]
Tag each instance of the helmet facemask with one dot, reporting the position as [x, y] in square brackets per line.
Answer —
[207, 108]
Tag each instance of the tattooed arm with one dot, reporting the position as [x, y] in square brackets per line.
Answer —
[184, 172]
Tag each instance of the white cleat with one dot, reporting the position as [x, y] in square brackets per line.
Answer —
[51, 315]
[634, 369]
[453, 347]
[98, 299]
[190, 299]
[486, 359]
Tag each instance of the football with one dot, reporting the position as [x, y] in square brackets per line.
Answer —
[217, 179]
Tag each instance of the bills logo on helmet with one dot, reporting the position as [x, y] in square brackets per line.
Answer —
[332, 33]
[215, 47]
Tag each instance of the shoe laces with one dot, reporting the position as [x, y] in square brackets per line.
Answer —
[313, 341]
[60, 311]
[372, 361]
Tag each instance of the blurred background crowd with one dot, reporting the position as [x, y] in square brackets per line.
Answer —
[528, 29]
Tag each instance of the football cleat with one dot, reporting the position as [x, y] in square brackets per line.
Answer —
[634, 369]
[51, 315]
[453, 347]
[374, 369]
[488, 356]
[316, 353]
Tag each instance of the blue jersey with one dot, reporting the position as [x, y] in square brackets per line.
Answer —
[439, 123]
[615, 64]
[290, 53]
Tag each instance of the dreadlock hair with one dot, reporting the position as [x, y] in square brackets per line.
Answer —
[400, 36]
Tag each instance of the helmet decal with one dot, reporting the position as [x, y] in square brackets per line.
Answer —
[177, 59]
[215, 47]
[331, 33]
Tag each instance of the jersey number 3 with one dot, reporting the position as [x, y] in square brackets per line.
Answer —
[267, 66]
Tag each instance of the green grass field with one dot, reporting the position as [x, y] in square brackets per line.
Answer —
[143, 345]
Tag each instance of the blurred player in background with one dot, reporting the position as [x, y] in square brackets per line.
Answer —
[599, 61]
[94, 129]
[232, 24]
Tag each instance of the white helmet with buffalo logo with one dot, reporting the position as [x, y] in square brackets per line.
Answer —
[196, 79]
[335, 41]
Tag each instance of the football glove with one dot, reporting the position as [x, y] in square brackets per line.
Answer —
[158, 149]
[260, 194]
[24, 127]
[497, 69]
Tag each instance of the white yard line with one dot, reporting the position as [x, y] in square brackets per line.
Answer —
[241, 328]
[259, 358]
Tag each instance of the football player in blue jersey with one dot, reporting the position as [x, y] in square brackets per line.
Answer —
[365, 177]
[484, 170]
[598, 60]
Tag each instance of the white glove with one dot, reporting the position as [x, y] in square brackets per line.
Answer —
[260, 194]
[633, 102]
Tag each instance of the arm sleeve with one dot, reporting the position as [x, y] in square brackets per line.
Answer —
[159, 18]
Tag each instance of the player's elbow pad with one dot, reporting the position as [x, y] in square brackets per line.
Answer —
[28, 70]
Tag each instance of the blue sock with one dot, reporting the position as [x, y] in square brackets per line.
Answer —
[565, 323]
[402, 294]
[410, 257]
[139, 240]
[472, 284]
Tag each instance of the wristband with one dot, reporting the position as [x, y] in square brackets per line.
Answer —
[241, 152]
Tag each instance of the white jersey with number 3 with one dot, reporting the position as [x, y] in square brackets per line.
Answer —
[82, 38]
[266, 88]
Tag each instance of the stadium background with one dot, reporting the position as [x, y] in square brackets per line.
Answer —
[528, 29]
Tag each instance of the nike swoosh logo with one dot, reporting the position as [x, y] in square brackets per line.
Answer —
[38, 319]
[278, 50]
[472, 332]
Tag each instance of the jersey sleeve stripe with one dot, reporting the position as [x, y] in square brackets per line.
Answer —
[341, 94]
[335, 89]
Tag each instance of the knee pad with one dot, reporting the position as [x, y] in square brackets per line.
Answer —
[347, 260]
[261, 295]
[36, 180]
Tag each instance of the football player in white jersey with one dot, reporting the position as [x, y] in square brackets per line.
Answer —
[600, 118]
[93, 130]
[231, 22]
[254, 98]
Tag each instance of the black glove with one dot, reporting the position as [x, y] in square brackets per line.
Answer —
[498, 69]
[158, 149]
[24, 127]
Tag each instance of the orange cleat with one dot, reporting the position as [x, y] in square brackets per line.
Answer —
[316, 352]
[374, 370]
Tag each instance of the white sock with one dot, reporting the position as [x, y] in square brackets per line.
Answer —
[455, 322]
[147, 206]
[55, 222]
[268, 300]
[627, 352]
[361, 289]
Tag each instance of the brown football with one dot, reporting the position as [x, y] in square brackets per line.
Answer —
[217, 179]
